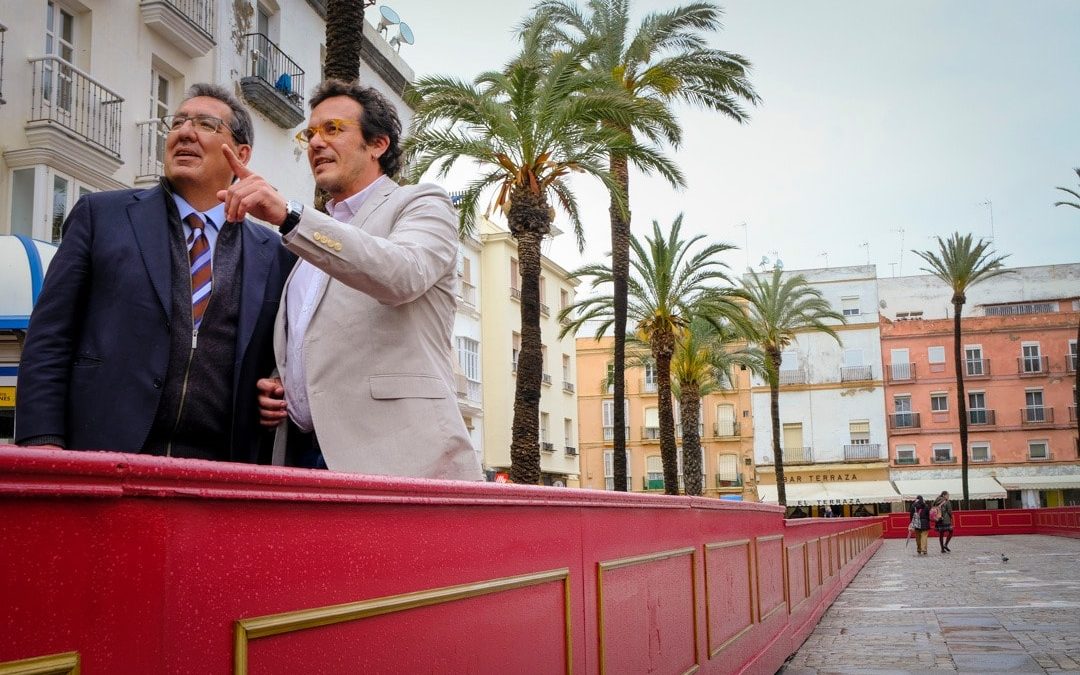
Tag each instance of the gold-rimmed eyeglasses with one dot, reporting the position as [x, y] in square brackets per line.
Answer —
[207, 124]
[327, 130]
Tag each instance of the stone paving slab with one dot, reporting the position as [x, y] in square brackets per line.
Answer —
[962, 612]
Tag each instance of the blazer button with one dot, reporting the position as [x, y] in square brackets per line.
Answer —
[157, 383]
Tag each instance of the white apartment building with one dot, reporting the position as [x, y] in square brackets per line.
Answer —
[500, 284]
[832, 406]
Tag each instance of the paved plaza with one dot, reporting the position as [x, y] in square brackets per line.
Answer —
[965, 611]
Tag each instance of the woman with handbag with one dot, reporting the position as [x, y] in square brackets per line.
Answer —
[943, 520]
[920, 522]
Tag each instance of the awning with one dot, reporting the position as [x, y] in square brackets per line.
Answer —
[848, 492]
[1040, 482]
[979, 487]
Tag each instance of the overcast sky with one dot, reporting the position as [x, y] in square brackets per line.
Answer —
[876, 116]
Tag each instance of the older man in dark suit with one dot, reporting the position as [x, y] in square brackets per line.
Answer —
[156, 316]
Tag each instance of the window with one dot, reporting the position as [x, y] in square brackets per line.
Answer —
[516, 349]
[936, 357]
[159, 107]
[469, 357]
[1031, 359]
[609, 469]
[650, 376]
[515, 278]
[850, 306]
[1034, 410]
[939, 402]
[568, 432]
[544, 420]
[566, 368]
[943, 453]
[980, 452]
[1038, 450]
[564, 299]
[22, 201]
[727, 471]
[903, 416]
[41, 199]
[974, 361]
[56, 84]
[1070, 362]
[977, 413]
[859, 432]
[608, 417]
[654, 473]
[725, 420]
[652, 424]
[610, 381]
[544, 362]
[543, 289]
[905, 454]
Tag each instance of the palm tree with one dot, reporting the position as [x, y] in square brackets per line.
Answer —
[667, 288]
[779, 307]
[1075, 194]
[664, 61]
[344, 36]
[527, 127]
[961, 263]
[701, 365]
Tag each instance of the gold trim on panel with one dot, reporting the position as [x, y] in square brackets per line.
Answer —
[806, 568]
[708, 596]
[288, 622]
[67, 663]
[602, 567]
[762, 615]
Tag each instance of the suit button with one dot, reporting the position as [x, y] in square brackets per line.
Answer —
[317, 236]
[157, 383]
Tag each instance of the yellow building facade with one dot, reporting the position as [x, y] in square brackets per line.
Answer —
[726, 429]
[501, 329]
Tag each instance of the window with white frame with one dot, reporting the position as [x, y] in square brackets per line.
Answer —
[609, 469]
[977, 413]
[41, 199]
[1072, 355]
[651, 431]
[725, 419]
[515, 346]
[1031, 357]
[850, 305]
[515, 276]
[609, 383]
[564, 299]
[544, 423]
[1038, 449]
[939, 402]
[568, 432]
[650, 375]
[942, 453]
[608, 417]
[727, 470]
[654, 473]
[905, 454]
[57, 85]
[973, 360]
[935, 356]
[1033, 406]
[980, 451]
[160, 105]
[859, 432]
[543, 290]
[566, 368]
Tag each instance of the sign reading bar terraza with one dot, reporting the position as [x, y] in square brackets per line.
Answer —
[819, 477]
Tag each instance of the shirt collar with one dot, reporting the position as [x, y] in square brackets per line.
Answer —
[347, 208]
[215, 215]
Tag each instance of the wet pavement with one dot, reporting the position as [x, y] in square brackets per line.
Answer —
[967, 611]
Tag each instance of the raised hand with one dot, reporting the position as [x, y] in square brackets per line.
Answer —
[271, 401]
[250, 194]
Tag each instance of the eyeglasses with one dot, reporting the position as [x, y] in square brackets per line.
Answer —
[327, 130]
[204, 123]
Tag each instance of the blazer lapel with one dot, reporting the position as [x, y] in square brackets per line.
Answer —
[148, 216]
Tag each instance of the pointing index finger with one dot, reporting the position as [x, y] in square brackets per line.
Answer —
[238, 167]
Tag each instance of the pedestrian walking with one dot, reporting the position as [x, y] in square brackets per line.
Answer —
[941, 515]
[920, 523]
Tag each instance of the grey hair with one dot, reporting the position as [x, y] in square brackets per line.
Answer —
[242, 130]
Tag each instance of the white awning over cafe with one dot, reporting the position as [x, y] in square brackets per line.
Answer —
[979, 487]
[1040, 482]
[820, 494]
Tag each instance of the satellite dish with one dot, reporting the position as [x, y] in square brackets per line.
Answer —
[389, 18]
[764, 261]
[405, 35]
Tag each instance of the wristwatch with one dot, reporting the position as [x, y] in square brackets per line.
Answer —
[293, 211]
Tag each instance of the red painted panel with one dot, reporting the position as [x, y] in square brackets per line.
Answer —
[1022, 519]
[770, 576]
[813, 553]
[729, 596]
[796, 568]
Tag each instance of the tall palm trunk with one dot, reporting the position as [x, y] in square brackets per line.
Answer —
[690, 414]
[774, 412]
[663, 346]
[344, 33]
[620, 269]
[529, 220]
[961, 404]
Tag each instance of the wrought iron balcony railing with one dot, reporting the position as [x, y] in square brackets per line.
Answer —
[274, 82]
[650, 433]
[725, 429]
[901, 372]
[62, 94]
[609, 433]
[151, 150]
[570, 450]
[515, 293]
[904, 420]
[798, 455]
[546, 378]
[1036, 414]
[856, 373]
[977, 368]
[907, 460]
[981, 417]
[568, 387]
[467, 293]
[863, 452]
[547, 447]
[1033, 365]
[944, 459]
[727, 480]
[793, 376]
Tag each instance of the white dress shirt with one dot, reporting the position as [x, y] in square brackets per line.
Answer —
[305, 288]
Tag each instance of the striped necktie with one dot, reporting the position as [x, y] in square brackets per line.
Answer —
[201, 274]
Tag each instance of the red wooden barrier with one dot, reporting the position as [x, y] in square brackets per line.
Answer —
[129, 564]
[1064, 521]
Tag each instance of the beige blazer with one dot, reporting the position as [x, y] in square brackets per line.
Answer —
[378, 350]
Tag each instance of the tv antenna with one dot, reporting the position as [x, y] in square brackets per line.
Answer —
[825, 254]
[990, 204]
[746, 241]
[901, 231]
[866, 245]
[389, 18]
[405, 35]
[893, 266]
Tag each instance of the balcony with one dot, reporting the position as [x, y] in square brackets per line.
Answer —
[547, 447]
[546, 379]
[151, 152]
[798, 456]
[904, 420]
[648, 385]
[513, 365]
[907, 460]
[863, 452]
[793, 376]
[1033, 366]
[67, 104]
[975, 368]
[729, 480]
[568, 387]
[609, 433]
[901, 372]
[856, 373]
[652, 483]
[650, 433]
[467, 293]
[981, 417]
[1070, 363]
[188, 24]
[274, 83]
[570, 451]
[943, 459]
[1034, 415]
[725, 429]
[700, 430]
[545, 310]
[515, 293]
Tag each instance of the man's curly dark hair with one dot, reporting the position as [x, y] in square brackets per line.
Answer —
[378, 117]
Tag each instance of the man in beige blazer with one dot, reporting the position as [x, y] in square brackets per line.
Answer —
[363, 337]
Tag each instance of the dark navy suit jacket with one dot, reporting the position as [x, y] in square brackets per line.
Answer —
[97, 348]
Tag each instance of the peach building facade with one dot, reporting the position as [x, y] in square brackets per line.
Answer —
[726, 426]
